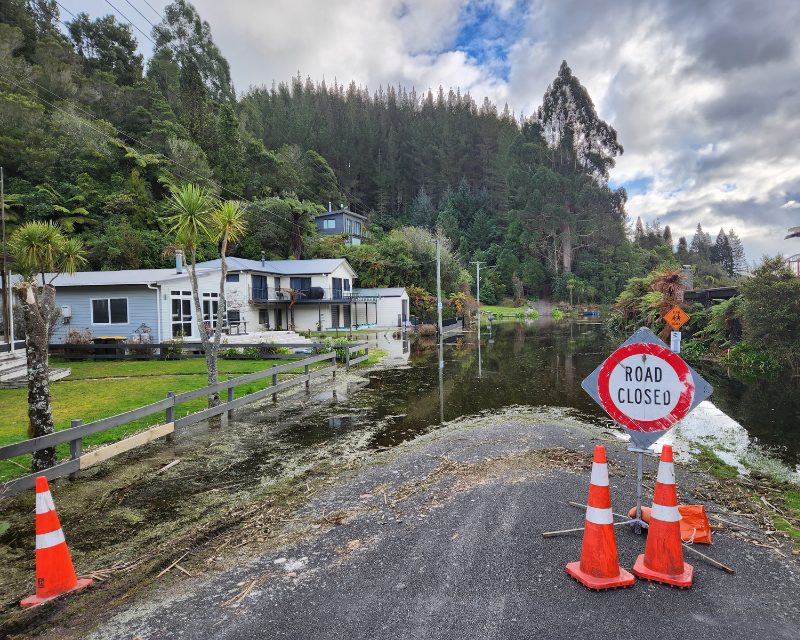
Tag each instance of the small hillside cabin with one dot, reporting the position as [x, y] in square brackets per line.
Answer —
[338, 221]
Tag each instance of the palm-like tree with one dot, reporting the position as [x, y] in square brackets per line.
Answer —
[294, 296]
[190, 217]
[40, 248]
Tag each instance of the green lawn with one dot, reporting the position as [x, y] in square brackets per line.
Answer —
[98, 390]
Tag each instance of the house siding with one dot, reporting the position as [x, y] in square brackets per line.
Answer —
[142, 308]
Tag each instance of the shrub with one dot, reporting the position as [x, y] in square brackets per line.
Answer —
[427, 330]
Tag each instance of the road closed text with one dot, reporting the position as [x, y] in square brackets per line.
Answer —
[644, 389]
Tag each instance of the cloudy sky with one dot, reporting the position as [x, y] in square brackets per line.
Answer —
[704, 94]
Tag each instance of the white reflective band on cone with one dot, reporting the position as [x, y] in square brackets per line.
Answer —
[600, 474]
[665, 514]
[599, 516]
[666, 473]
[44, 502]
[47, 540]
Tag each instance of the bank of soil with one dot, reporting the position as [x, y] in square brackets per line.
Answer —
[439, 538]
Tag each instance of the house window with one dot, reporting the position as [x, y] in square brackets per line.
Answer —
[301, 284]
[110, 311]
[329, 224]
[346, 284]
[263, 317]
[260, 288]
[337, 288]
[210, 308]
[181, 314]
[357, 228]
[232, 277]
[348, 225]
[234, 316]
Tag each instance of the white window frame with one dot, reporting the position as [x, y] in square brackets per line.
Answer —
[329, 224]
[109, 323]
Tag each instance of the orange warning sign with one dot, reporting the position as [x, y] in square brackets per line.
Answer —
[676, 318]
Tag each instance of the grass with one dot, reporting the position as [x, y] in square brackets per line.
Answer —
[96, 390]
[707, 459]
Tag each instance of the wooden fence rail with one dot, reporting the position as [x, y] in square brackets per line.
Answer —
[348, 348]
[78, 431]
[117, 350]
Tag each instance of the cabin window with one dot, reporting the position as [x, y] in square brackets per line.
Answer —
[357, 228]
[346, 284]
[329, 224]
[110, 311]
[210, 309]
[232, 277]
[181, 314]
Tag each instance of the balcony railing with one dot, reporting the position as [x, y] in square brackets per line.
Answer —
[270, 294]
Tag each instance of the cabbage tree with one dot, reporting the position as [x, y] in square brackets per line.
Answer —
[42, 252]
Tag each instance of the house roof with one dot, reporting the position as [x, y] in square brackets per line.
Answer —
[385, 292]
[107, 278]
[280, 267]
[337, 211]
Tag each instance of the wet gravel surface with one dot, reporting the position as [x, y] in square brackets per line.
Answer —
[433, 554]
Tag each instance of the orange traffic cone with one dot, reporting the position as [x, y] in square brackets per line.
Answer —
[599, 567]
[662, 559]
[54, 572]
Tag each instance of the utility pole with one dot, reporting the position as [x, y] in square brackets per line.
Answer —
[439, 285]
[8, 321]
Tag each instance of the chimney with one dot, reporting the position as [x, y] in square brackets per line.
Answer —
[341, 206]
[329, 207]
[262, 258]
[178, 261]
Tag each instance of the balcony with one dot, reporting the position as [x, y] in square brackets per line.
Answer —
[312, 294]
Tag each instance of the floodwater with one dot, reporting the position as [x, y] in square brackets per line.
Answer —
[538, 364]
[542, 363]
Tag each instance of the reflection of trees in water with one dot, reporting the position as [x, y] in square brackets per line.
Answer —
[769, 409]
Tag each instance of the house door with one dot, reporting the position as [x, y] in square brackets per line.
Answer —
[347, 315]
[405, 311]
[335, 316]
[278, 319]
[181, 313]
[210, 309]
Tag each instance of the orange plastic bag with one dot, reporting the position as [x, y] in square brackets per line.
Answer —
[694, 523]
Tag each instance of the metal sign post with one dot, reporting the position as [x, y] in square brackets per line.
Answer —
[646, 389]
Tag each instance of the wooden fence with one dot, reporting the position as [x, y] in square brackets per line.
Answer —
[171, 350]
[350, 347]
[78, 431]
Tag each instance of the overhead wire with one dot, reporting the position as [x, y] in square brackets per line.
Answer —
[133, 138]
[353, 198]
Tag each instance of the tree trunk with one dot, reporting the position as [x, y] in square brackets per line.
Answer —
[566, 247]
[208, 345]
[37, 312]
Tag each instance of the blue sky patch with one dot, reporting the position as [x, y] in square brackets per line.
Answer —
[633, 187]
[486, 36]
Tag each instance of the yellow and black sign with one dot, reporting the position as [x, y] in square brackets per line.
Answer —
[676, 318]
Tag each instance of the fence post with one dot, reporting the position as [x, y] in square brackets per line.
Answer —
[333, 362]
[230, 398]
[307, 379]
[75, 447]
[170, 417]
[347, 357]
[274, 384]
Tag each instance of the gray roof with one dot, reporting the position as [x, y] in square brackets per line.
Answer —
[280, 267]
[385, 292]
[337, 211]
[108, 278]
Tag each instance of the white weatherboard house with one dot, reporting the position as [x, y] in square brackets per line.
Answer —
[159, 301]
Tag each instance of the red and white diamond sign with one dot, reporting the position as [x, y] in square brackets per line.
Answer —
[646, 388]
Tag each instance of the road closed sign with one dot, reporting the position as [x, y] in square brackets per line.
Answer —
[646, 388]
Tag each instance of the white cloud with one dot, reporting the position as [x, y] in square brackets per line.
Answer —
[703, 95]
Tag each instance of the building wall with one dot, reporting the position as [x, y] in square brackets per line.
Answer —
[142, 308]
[205, 284]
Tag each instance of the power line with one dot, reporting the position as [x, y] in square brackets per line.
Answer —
[353, 198]
[154, 11]
[104, 134]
